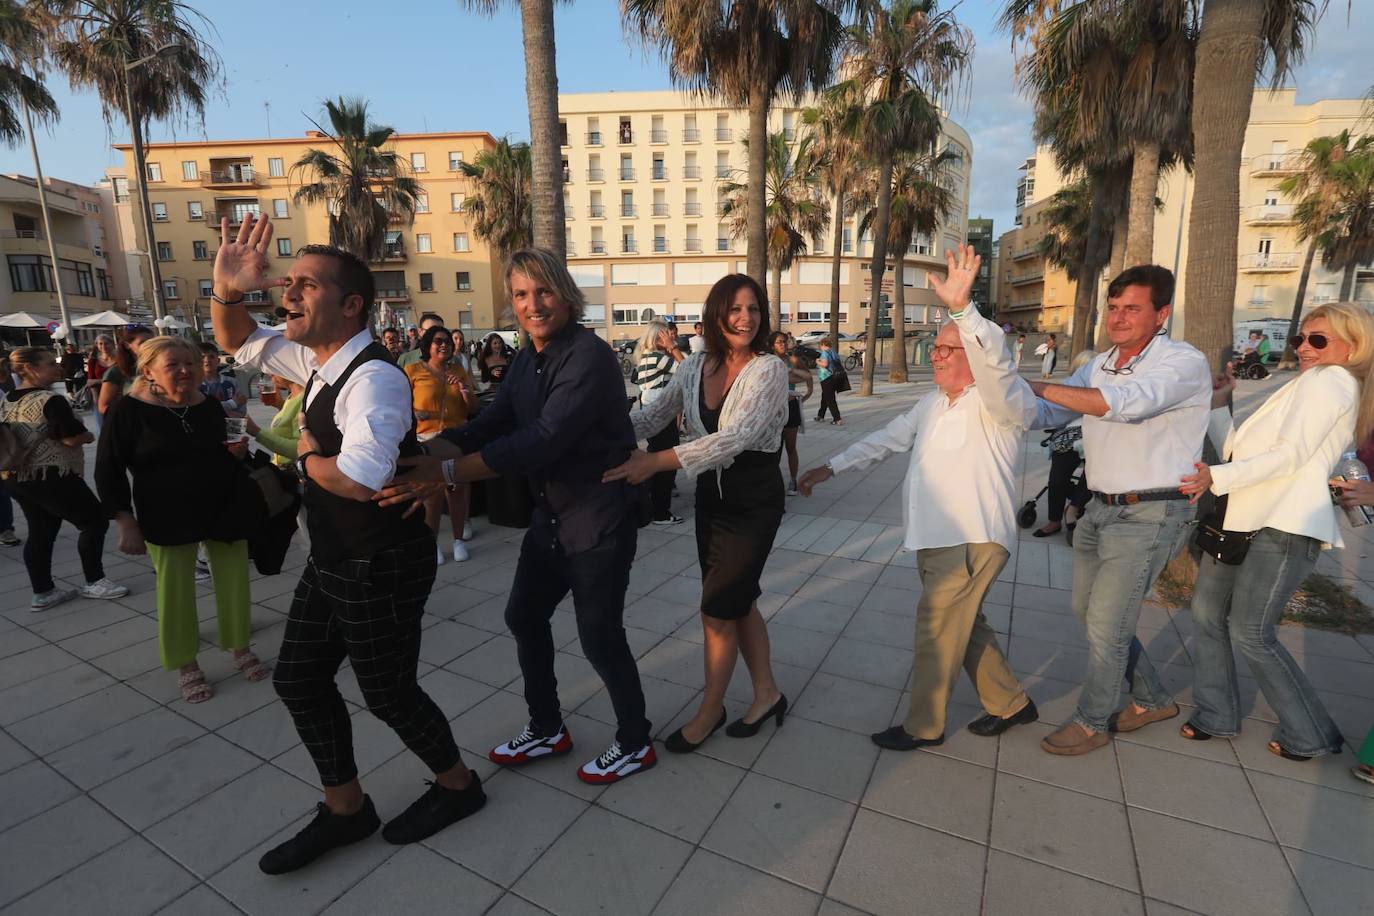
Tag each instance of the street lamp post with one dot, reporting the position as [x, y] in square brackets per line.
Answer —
[146, 207]
[47, 222]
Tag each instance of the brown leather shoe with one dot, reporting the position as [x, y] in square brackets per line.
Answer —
[1128, 720]
[1072, 740]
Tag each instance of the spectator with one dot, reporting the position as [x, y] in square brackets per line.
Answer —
[1051, 357]
[283, 434]
[7, 536]
[101, 359]
[119, 378]
[391, 339]
[460, 352]
[73, 368]
[1361, 493]
[697, 343]
[826, 364]
[1020, 346]
[411, 356]
[656, 358]
[218, 386]
[796, 373]
[492, 363]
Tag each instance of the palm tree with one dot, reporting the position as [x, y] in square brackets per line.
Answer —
[501, 205]
[746, 52]
[21, 47]
[900, 59]
[921, 202]
[363, 184]
[1349, 241]
[1068, 216]
[837, 167]
[794, 209]
[541, 94]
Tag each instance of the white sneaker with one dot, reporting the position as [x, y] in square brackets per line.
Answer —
[616, 764]
[460, 551]
[670, 520]
[442, 558]
[467, 530]
[202, 571]
[51, 598]
[105, 588]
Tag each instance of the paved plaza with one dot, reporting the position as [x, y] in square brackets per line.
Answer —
[118, 797]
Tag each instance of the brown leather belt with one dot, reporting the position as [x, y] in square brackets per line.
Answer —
[1143, 496]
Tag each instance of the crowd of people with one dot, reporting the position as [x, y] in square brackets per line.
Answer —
[386, 434]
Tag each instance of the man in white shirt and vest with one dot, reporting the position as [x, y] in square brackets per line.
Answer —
[1145, 405]
[966, 441]
[363, 590]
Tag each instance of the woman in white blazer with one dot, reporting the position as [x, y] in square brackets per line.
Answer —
[1275, 482]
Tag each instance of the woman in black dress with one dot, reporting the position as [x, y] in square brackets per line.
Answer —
[733, 399]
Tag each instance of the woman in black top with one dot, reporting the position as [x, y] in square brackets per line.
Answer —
[171, 438]
[117, 380]
[492, 362]
[49, 485]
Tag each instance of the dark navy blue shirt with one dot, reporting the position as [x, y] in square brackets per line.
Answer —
[560, 417]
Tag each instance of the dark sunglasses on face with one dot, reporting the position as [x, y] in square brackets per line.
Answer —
[1318, 341]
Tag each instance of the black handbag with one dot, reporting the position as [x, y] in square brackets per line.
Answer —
[841, 376]
[1224, 546]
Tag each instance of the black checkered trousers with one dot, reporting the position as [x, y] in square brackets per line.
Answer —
[367, 611]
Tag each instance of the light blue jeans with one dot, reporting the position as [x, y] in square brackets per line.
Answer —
[1241, 605]
[1118, 552]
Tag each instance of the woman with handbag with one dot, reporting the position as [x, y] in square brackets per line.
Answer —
[1273, 519]
[187, 490]
[829, 368]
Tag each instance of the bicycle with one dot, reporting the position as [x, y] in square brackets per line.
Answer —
[855, 360]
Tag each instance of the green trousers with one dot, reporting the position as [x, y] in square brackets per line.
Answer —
[1366, 754]
[178, 621]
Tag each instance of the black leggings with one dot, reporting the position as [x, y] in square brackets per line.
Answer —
[49, 501]
[1062, 487]
[661, 484]
[828, 399]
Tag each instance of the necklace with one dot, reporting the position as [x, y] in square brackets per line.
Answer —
[179, 414]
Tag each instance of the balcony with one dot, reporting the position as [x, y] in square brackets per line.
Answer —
[1269, 214]
[627, 174]
[691, 208]
[230, 177]
[594, 138]
[596, 211]
[660, 172]
[789, 134]
[722, 135]
[691, 172]
[692, 245]
[658, 136]
[660, 209]
[1268, 263]
[1268, 165]
[31, 234]
[625, 135]
[393, 253]
[1022, 306]
[596, 175]
[394, 294]
[660, 246]
[1023, 253]
[629, 246]
[723, 171]
[598, 247]
[691, 135]
[235, 216]
[724, 245]
[1034, 276]
[567, 175]
[627, 210]
[1259, 302]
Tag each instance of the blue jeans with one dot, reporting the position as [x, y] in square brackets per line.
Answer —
[1242, 605]
[1118, 552]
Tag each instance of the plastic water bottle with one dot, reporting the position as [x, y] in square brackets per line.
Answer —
[1350, 467]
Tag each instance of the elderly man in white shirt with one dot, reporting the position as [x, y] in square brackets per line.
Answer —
[1145, 406]
[966, 441]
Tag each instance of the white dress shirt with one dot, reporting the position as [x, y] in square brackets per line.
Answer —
[960, 485]
[1279, 461]
[1156, 417]
[696, 343]
[373, 410]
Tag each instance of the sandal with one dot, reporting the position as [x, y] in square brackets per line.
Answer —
[193, 686]
[253, 669]
[1363, 773]
[1193, 733]
[1280, 750]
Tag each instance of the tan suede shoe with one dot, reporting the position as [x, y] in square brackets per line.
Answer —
[1073, 740]
[1128, 720]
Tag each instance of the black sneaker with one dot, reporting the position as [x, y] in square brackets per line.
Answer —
[327, 831]
[436, 809]
[530, 745]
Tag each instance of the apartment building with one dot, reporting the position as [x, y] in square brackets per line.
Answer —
[1032, 295]
[435, 264]
[78, 228]
[644, 173]
[980, 237]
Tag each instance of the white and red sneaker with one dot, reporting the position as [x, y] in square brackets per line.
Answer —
[531, 745]
[616, 764]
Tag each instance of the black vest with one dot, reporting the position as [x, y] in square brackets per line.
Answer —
[346, 529]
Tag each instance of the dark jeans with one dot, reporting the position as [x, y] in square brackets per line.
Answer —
[597, 579]
[1062, 488]
[6, 508]
[661, 484]
[48, 502]
[828, 399]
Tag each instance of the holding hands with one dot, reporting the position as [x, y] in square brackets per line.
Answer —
[956, 289]
[1222, 386]
[1194, 485]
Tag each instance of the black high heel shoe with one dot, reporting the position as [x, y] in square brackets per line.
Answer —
[742, 729]
[680, 745]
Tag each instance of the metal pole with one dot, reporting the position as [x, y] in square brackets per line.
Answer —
[159, 309]
[47, 221]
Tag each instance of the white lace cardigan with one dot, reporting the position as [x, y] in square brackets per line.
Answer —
[752, 417]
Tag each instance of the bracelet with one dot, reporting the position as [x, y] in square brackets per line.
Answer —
[215, 298]
[447, 467]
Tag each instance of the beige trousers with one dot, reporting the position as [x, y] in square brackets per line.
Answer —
[951, 632]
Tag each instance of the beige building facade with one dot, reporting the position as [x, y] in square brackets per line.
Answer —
[1032, 294]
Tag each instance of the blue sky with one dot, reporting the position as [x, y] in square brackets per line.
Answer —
[434, 66]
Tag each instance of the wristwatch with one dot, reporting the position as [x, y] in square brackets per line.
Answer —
[299, 465]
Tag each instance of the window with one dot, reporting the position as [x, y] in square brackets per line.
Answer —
[200, 251]
[102, 283]
[426, 283]
[464, 281]
[154, 171]
[627, 169]
[169, 289]
[30, 273]
[423, 245]
[276, 168]
[562, 133]
[626, 134]
[85, 279]
[847, 244]
[160, 212]
[189, 172]
[422, 202]
[455, 160]
[284, 248]
[195, 210]
[164, 251]
[207, 288]
[279, 208]
[455, 201]
[460, 241]
[417, 162]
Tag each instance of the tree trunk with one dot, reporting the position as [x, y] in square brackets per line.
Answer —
[835, 260]
[1348, 283]
[1085, 290]
[878, 264]
[1140, 234]
[145, 205]
[1121, 229]
[541, 93]
[755, 228]
[775, 294]
[897, 372]
[1228, 51]
[1288, 355]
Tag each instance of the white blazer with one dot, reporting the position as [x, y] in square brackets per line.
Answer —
[1282, 456]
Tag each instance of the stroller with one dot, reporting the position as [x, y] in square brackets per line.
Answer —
[1061, 439]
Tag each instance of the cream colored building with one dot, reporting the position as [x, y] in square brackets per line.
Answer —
[437, 264]
[1032, 295]
[644, 173]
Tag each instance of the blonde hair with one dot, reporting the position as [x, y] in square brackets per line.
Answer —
[22, 358]
[655, 329]
[543, 266]
[156, 348]
[1352, 324]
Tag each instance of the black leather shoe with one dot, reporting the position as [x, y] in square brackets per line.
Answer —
[896, 739]
[436, 809]
[742, 729]
[678, 744]
[990, 726]
[327, 831]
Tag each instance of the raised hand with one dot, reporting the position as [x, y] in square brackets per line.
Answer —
[955, 290]
[241, 262]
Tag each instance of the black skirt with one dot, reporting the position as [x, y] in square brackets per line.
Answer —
[794, 417]
[735, 533]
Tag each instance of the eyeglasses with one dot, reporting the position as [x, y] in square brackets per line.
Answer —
[943, 351]
[1318, 341]
[1129, 368]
